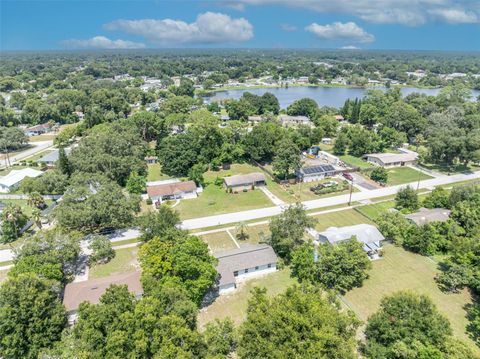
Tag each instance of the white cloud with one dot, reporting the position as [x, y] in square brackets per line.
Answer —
[455, 16]
[208, 28]
[406, 12]
[349, 47]
[288, 27]
[348, 31]
[102, 42]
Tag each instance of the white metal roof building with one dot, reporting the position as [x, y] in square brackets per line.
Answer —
[367, 234]
[13, 179]
[392, 159]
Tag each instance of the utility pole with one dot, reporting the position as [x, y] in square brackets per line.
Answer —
[351, 191]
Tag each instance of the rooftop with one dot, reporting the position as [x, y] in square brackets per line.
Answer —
[247, 179]
[91, 290]
[393, 157]
[317, 169]
[288, 118]
[170, 189]
[425, 215]
[247, 256]
[365, 233]
[53, 156]
[17, 176]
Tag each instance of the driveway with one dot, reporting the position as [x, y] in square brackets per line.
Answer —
[362, 183]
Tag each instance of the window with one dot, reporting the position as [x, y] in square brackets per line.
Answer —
[235, 274]
[246, 270]
[256, 268]
[269, 265]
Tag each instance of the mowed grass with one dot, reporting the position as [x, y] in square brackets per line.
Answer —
[355, 161]
[219, 241]
[348, 217]
[155, 173]
[125, 261]
[234, 305]
[402, 270]
[401, 175]
[374, 210]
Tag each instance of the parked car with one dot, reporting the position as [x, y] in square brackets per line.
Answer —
[348, 176]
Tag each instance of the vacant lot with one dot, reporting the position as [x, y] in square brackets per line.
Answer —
[341, 218]
[401, 175]
[234, 305]
[215, 200]
[402, 270]
[219, 241]
[125, 261]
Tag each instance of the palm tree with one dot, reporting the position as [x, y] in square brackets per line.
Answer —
[37, 218]
[241, 231]
[36, 200]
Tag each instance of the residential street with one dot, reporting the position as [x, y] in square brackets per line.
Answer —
[38, 147]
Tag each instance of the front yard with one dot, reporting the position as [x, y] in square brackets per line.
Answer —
[402, 270]
[401, 175]
[342, 218]
[125, 261]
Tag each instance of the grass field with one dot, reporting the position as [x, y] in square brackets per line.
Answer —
[234, 305]
[219, 241]
[355, 161]
[401, 175]
[402, 270]
[155, 173]
[372, 211]
[44, 137]
[348, 217]
[125, 261]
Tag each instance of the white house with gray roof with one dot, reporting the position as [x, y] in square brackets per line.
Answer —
[367, 234]
[15, 177]
[428, 215]
[392, 159]
[244, 263]
[50, 158]
[245, 182]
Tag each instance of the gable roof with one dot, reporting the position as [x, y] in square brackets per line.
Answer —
[365, 233]
[17, 176]
[169, 189]
[393, 157]
[288, 118]
[54, 155]
[312, 170]
[91, 290]
[425, 215]
[247, 256]
[247, 179]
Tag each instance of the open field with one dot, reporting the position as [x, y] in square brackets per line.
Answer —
[125, 261]
[155, 173]
[348, 217]
[372, 211]
[219, 241]
[234, 305]
[44, 137]
[401, 175]
[402, 270]
[355, 161]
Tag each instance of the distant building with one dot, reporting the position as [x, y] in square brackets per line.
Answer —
[243, 263]
[50, 158]
[248, 181]
[11, 181]
[426, 215]
[172, 191]
[367, 234]
[151, 160]
[327, 140]
[392, 159]
[91, 290]
[315, 173]
[256, 119]
[38, 130]
[287, 120]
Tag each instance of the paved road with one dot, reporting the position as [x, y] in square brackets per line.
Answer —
[323, 202]
[38, 147]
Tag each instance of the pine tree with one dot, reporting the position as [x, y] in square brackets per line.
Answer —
[63, 162]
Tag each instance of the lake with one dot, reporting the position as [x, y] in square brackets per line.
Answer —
[325, 96]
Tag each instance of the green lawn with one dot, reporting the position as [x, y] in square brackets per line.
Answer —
[219, 241]
[372, 211]
[234, 305]
[400, 175]
[254, 234]
[355, 161]
[235, 169]
[348, 217]
[125, 261]
[402, 270]
[23, 204]
[155, 173]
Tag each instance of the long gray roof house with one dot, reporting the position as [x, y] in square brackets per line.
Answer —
[426, 215]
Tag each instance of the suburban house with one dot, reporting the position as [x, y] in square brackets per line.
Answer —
[327, 140]
[256, 119]
[315, 173]
[287, 120]
[50, 158]
[91, 290]
[244, 182]
[426, 215]
[15, 177]
[38, 130]
[243, 263]
[172, 190]
[151, 160]
[367, 234]
[339, 118]
[392, 159]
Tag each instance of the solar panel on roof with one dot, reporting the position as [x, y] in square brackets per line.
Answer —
[318, 169]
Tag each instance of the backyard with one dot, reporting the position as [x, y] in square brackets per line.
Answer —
[341, 218]
[355, 161]
[234, 305]
[155, 173]
[401, 175]
[402, 270]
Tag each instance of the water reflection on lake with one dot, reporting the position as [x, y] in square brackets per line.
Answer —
[325, 96]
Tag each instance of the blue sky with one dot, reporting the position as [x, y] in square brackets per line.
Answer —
[123, 24]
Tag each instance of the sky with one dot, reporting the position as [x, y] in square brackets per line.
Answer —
[329, 24]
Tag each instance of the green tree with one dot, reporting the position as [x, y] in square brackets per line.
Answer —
[406, 198]
[300, 323]
[158, 223]
[406, 321]
[63, 162]
[196, 174]
[341, 144]
[379, 174]
[287, 230]
[102, 251]
[32, 316]
[287, 158]
[220, 338]
[438, 198]
[304, 107]
[136, 184]
[13, 220]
